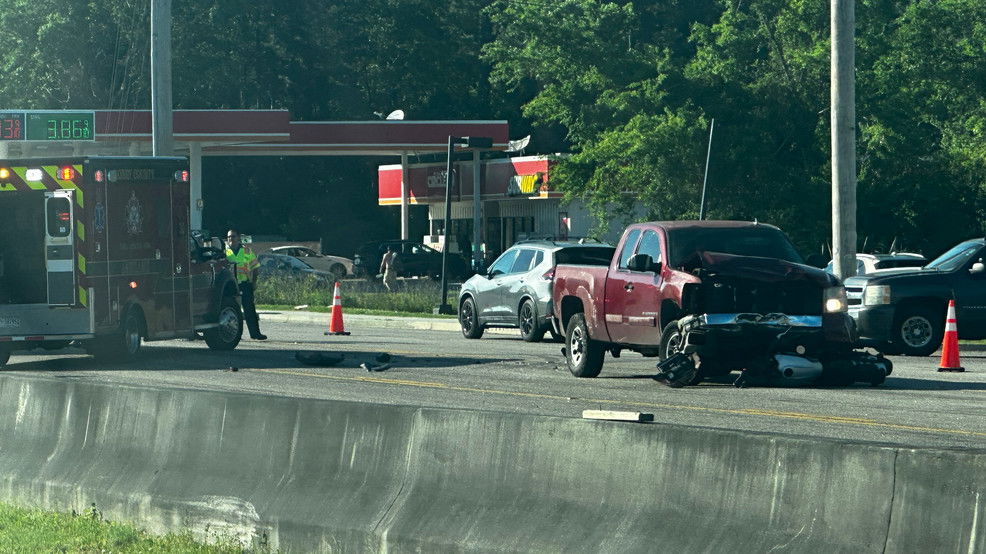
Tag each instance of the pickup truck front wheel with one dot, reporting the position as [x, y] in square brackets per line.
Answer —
[226, 335]
[918, 330]
[584, 355]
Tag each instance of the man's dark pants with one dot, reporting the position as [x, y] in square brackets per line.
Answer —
[249, 309]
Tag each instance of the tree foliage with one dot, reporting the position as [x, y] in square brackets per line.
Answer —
[627, 87]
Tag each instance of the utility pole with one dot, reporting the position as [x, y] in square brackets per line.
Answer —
[843, 120]
[161, 109]
[705, 180]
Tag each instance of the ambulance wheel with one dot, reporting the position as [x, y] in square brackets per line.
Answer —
[227, 334]
[124, 344]
[4, 356]
[583, 355]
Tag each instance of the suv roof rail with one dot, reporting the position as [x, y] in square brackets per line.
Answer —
[555, 240]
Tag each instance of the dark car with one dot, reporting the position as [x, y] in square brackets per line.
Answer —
[904, 311]
[413, 260]
[516, 290]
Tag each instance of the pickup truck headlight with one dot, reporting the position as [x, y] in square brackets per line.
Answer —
[835, 300]
[875, 295]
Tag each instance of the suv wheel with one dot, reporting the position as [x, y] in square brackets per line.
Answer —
[227, 334]
[469, 319]
[583, 355]
[918, 330]
[527, 320]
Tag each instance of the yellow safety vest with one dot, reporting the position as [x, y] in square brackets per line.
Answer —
[244, 262]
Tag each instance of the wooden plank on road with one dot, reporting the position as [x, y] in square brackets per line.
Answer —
[612, 415]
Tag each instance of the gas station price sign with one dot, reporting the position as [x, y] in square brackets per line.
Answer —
[11, 125]
[45, 126]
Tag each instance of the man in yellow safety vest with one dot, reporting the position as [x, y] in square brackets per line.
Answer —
[245, 266]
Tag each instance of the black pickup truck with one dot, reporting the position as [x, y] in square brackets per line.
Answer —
[903, 311]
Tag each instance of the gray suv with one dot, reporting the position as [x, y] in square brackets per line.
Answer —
[516, 289]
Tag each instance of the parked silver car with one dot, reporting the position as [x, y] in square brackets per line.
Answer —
[516, 289]
[289, 267]
[337, 265]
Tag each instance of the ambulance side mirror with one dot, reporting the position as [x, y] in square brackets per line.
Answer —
[208, 253]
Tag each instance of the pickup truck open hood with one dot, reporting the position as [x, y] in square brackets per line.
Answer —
[765, 270]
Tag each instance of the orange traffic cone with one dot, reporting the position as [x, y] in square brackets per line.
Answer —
[950, 344]
[335, 324]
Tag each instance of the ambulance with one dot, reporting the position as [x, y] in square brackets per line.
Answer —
[97, 252]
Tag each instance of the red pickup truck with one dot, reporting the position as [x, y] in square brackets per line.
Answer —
[723, 296]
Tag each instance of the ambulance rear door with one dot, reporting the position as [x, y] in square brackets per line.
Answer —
[60, 247]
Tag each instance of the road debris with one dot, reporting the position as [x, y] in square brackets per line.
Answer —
[369, 367]
[612, 415]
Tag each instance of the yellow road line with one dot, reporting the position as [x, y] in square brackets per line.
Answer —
[748, 412]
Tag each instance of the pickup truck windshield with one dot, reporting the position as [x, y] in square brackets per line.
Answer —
[956, 256]
[764, 242]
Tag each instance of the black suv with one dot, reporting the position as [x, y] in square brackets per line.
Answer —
[413, 260]
[903, 312]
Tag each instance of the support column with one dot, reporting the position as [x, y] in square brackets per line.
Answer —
[195, 169]
[843, 139]
[405, 223]
[162, 121]
[477, 211]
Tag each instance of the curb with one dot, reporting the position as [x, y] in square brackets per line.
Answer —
[372, 321]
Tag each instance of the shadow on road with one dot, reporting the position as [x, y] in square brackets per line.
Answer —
[168, 358]
[907, 383]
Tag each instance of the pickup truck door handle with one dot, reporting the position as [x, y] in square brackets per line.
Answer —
[628, 287]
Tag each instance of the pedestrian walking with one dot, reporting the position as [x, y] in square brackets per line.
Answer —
[245, 266]
[388, 269]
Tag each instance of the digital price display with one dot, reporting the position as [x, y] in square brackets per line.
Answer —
[47, 126]
[44, 126]
[11, 125]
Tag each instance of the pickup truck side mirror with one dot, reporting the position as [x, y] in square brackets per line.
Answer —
[978, 268]
[643, 262]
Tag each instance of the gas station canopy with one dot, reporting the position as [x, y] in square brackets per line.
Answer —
[33, 133]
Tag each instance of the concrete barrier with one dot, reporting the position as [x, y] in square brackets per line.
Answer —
[311, 475]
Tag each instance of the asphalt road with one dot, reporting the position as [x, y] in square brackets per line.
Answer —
[917, 406]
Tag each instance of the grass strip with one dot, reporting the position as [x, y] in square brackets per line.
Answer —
[355, 311]
[417, 297]
[28, 530]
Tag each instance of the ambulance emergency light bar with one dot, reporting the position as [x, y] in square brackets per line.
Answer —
[44, 126]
